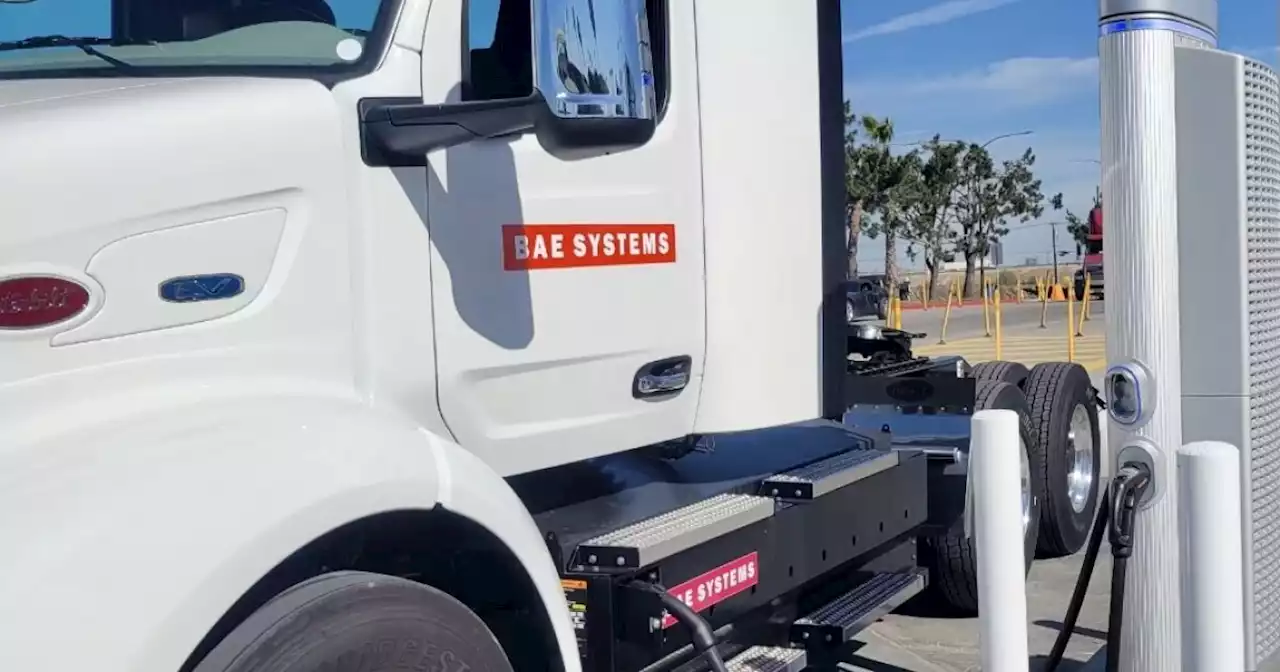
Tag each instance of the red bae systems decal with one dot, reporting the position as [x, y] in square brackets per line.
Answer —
[527, 247]
[717, 585]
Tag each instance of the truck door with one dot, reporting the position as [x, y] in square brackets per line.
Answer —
[558, 281]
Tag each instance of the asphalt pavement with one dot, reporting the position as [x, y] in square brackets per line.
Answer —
[1015, 319]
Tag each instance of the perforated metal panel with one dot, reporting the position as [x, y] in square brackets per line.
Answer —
[1262, 188]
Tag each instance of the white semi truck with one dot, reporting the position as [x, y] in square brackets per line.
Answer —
[447, 335]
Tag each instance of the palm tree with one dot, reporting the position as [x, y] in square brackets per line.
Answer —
[872, 174]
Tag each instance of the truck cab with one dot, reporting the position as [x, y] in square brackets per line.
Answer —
[418, 212]
[280, 274]
[458, 335]
[1091, 265]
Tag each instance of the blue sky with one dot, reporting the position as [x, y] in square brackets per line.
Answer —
[975, 69]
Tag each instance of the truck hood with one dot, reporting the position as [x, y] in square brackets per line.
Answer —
[32, 91]
[89, 161]
[123, 184]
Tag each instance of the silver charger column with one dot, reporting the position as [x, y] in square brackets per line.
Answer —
[1139, 189]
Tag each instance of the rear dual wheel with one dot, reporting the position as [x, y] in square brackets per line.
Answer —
[1066, 432]
[1006, 372]
[1064, 415]
[950, 556]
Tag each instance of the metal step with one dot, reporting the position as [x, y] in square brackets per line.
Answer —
[649, 541]
[768, 659]
[832, 473]
[849, 614]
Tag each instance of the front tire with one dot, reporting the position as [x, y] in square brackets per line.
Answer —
[951, 556]
[355, 621]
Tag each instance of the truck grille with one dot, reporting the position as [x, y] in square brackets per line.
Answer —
[1262, 185]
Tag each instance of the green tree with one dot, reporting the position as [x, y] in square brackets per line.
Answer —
[1078, 226]
[928, 200]
[988, 198]
[872, 172]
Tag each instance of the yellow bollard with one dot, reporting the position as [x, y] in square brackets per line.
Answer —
[999, 337]
[1084, 309]
[1071, 325]
[1086, 300]
[1044, 305]
[986, 312]
[897, 318]
[946, 317]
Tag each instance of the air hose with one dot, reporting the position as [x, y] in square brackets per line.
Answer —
[1115, 516]
[704, 640]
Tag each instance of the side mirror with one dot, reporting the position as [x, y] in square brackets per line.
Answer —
[593, 90]
[593, 67]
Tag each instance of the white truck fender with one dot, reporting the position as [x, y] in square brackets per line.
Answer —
[123, 546]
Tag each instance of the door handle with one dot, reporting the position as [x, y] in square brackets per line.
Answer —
[663, 378]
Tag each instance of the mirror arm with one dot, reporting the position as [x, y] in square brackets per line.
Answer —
[400, 132]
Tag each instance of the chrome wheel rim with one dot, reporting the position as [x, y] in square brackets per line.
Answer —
[1025, 463]
[1080, 445]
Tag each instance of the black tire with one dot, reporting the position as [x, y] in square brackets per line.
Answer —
[356, 621]
[950, 556]
[1006, 372]
[1054, 392]
[1079, 287]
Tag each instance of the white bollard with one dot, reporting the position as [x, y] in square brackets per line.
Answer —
[997, 499]
[1210, 525]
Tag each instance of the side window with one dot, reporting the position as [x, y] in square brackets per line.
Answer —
[498, 62]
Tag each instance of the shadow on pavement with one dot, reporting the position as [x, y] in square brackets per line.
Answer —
[1067, 665]
[1056, 626]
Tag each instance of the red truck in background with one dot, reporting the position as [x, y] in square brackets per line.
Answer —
[1092, 263]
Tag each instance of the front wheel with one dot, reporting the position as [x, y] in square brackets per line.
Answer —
[951, 556]
[359, 621]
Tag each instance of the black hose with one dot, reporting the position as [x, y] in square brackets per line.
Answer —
[1116, 517]
[1119, 567]
[1082, 583]
[704, 640]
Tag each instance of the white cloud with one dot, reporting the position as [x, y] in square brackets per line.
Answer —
[1015, 82]
[936, 15]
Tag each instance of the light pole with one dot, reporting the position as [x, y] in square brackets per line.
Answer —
[1005, 135]
[984, 145]
[982, 261]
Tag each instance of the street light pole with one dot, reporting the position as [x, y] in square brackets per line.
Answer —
[982, 260]
[1053, 229]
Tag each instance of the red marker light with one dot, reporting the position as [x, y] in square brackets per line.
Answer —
[35, 301]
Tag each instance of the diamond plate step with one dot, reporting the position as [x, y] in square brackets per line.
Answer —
[768, 659]
[649, 541]
[849, 614]
[832, 473]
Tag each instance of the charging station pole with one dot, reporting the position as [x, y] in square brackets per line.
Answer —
[1143, 384]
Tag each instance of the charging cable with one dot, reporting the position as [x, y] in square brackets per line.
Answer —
[1116, 515]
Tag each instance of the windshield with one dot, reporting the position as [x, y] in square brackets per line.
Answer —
[68, 38]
